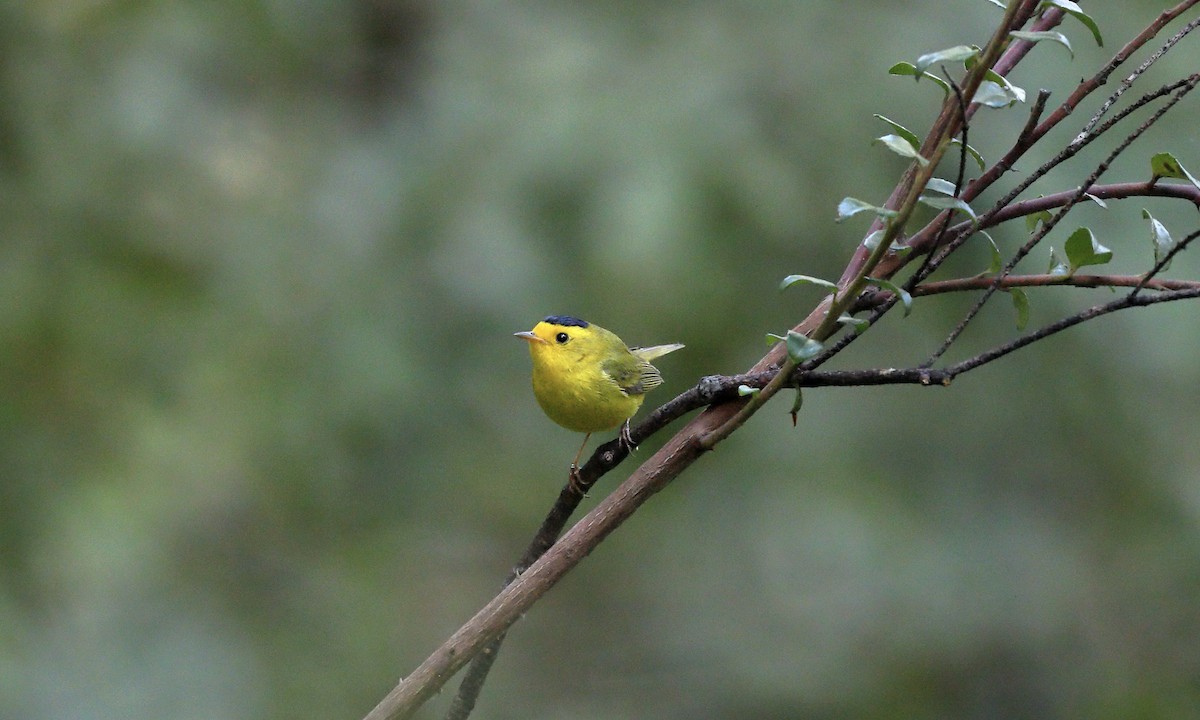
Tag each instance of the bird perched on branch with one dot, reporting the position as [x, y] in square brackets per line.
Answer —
[586, 379]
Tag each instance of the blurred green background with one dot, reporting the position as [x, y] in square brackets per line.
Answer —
[266, 439]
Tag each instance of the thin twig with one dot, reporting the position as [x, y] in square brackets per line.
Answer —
[1100, 78]
[1029, 137]
[1045, 280]
[1025, 138]
[1127, 301]
[1054, 219]
[921, 241]
[1132, 77]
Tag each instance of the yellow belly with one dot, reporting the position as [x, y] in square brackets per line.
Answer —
[583, 404]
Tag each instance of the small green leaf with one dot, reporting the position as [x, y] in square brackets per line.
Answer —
[849, 207]
[1032, 220]
[1079, 14]
[995, 95]
[905, 298]
[1021, 305]
[1096, 200]
[801, 348]
[871, 242]
[1057, 268]
[947, 203]
[1044, 35]
[1082, 249]
[791, 280]
[958, 53]
[906, 68]
[857, 324]
[902, 147]
[997, 262]
[992, 95]
[1017, 93]
[902, 131]
[772, 338]
[973, 153]
[939, 185]
[1164, 165]
[1160, 237]
[998, 4]
[745, 390]
[995, 91]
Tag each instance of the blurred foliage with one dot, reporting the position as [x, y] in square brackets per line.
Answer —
[266, 439]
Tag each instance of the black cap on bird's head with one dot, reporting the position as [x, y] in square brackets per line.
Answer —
[566, 320]
[553, 328]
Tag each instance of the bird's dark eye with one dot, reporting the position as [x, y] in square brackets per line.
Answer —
[562, 338]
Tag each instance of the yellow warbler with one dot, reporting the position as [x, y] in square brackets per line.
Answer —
[586, 379]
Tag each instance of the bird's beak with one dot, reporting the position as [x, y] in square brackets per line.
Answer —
[528, 335]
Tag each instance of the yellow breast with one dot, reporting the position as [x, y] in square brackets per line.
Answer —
[580, 396]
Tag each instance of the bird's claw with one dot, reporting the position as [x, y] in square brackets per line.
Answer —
[625, 438]
[575, 483]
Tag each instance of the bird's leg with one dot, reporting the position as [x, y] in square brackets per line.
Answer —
[573, 481]
[575, 462]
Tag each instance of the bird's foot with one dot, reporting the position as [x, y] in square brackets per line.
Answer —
[575, 482]
[625, 438]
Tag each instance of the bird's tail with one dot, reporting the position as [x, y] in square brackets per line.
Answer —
[654, 351]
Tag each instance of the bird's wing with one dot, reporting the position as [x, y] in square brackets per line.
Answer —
[631, 374]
